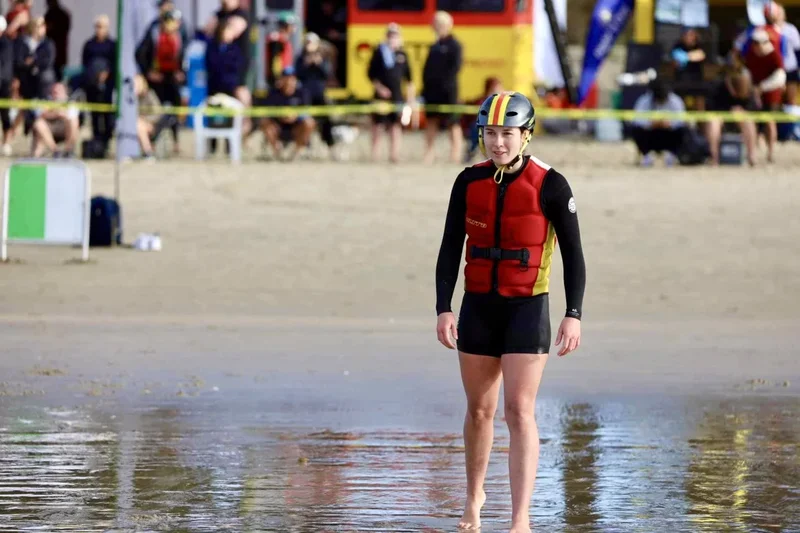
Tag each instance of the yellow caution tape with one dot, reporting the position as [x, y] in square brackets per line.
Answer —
[386, 107]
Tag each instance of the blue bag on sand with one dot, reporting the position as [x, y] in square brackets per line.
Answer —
[105, 222]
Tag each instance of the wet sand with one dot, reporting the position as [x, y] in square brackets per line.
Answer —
[290, 302]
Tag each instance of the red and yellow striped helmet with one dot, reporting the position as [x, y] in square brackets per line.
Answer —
[508, 110]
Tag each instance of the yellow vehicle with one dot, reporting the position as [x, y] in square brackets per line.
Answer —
[496, 36]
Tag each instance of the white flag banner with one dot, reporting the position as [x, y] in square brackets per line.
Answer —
[128, 110]
[755, 12]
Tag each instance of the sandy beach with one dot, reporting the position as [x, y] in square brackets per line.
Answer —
[678, 252]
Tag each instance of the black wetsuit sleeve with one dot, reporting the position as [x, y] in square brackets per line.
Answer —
[558, 205]
[447, 266]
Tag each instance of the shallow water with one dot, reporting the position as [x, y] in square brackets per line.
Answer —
[219, 462]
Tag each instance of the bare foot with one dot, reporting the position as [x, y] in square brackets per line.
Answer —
[521, 527]
[472, 512]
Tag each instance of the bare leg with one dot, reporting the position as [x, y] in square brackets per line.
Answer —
[18, 120]
[456, 143]
[302, 135]
[713, 134]
[791, 92]
[36, 146]
[376, 139]
[143, 131]
[271, 133]
[395, 137]
[431, 129]
[73, 132]
[522, 374]
[481, 378]
[749, 135]
[772, 139]
[243, 95]
[43, 136]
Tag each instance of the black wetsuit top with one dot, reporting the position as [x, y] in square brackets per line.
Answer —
[558, 206]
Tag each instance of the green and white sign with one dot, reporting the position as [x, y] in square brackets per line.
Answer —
[46, 202]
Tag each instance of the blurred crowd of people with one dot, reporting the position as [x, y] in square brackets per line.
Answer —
[33, 52]
[760, 73]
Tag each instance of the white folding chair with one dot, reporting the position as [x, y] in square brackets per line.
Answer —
[233, 134]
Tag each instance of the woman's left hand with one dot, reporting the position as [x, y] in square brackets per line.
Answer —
[569, 332]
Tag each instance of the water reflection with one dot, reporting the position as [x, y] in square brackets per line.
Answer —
[579, 473]
[691, 465]
[744, 470]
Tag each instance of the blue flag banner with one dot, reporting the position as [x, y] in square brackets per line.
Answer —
[608, 20]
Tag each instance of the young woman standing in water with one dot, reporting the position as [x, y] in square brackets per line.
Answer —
[511, 208]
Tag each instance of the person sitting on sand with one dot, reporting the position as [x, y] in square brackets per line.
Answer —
[149, 116]
[279, 131]
[54, 126]
[658, 135]
[511, 208]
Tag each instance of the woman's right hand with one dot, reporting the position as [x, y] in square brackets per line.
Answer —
[446, 330]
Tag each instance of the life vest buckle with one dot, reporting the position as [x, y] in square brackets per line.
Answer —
[525, 255]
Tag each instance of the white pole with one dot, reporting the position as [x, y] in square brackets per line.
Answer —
[4, 243]
[116, 179]
[87, 210]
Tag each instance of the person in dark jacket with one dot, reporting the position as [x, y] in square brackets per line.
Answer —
[160, 58]
[59, 23]
[224, 62]
[314, 71]
[35, 58]
[232, 13]
[99, 76]
[440, 87]
[6, 79]
[389, 71]
[164, 7]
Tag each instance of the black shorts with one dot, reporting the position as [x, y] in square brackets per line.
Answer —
[389, 119]
[445, 120]
[493, 325]
[286, 134]
[793, 76]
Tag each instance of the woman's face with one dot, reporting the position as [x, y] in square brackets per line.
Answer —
[502, 144]
[38, 29]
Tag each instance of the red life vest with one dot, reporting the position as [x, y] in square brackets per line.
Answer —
[168, 52]
[510, 243]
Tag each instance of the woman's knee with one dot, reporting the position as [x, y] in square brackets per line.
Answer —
[481, 412]
[519, 413]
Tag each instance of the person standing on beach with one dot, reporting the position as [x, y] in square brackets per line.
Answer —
[388, 71]
[440, 87]
[511, 208]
